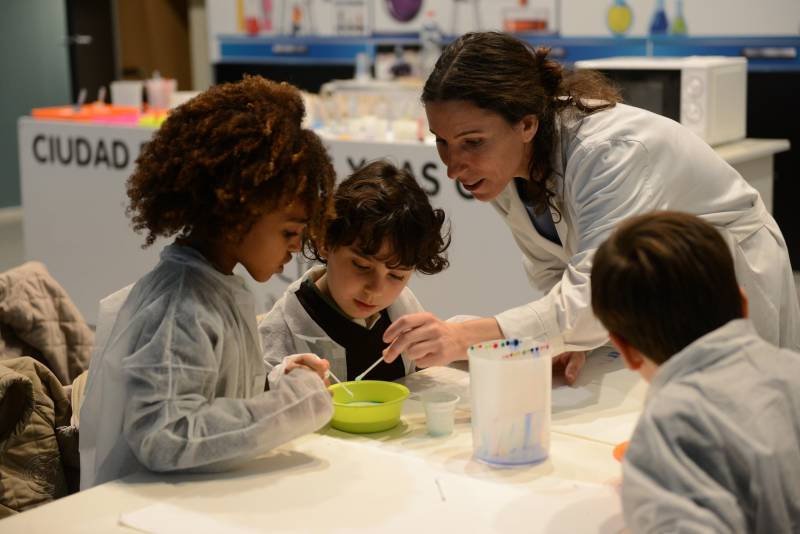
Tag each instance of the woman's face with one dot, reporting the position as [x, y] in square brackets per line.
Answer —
[480, 148]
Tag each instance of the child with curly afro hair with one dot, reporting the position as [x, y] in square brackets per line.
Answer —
[384, 229]
[178, 380]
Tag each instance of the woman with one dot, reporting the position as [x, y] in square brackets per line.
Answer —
[563, 162]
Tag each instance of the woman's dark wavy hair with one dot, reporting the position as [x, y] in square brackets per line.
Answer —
[226, 157]
[500, 73]
[381, 203]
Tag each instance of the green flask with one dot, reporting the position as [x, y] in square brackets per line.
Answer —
[679, 22]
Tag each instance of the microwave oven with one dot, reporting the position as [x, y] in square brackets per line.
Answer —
[706, 94]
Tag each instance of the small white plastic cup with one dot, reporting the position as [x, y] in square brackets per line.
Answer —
[127, 93]
[440, 409]
[159, 92]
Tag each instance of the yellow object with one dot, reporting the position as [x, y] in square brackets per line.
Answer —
[240, 25]
[353, 414]
[153, 119]
[619, 18]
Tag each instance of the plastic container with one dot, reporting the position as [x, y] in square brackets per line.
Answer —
[127, 93]
[375, 406]
[159, 92]
[363, 67]
[440, 408]
[510, 383]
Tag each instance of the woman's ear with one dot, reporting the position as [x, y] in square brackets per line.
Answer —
[745, 303]
[529, 125]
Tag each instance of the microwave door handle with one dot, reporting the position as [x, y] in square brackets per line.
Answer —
[769, 52]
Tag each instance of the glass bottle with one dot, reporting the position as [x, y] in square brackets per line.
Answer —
[679, 22]
[619, 17]
[659, 23]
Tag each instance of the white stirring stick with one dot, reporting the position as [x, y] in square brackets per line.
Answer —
[370, 368]
[340, 382]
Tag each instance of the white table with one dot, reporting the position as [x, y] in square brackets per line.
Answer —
[394, 481]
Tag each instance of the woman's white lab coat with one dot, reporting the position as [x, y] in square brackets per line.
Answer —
[177, 380]
[290, 330]
[626, 161]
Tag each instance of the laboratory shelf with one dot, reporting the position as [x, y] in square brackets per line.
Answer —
[779, 53]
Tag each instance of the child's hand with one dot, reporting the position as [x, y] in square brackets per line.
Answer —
[569, 364]
[312, 362]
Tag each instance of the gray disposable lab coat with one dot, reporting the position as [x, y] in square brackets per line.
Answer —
[177, 378]
[717, 448]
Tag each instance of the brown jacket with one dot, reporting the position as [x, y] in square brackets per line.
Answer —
[38, 319]
[38, 460]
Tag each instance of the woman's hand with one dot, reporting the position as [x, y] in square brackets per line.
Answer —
[426, 339]
[429, 341]
[569, 364]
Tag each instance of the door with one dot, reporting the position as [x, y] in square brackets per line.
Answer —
[35, 66]
[91, 46]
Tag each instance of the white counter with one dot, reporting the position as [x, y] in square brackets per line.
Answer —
[73, 193]
[753, 158]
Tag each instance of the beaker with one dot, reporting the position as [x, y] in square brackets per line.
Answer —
[510, 383]
[439, 409]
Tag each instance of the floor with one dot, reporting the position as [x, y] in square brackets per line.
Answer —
[12, 248]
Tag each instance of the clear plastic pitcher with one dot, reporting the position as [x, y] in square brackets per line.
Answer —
[510, 383]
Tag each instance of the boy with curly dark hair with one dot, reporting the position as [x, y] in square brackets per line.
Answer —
[717, 447]
[177, 380]
[384, 229]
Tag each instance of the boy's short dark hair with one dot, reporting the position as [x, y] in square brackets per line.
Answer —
[663, 280]
[380, 202]
[226, 157]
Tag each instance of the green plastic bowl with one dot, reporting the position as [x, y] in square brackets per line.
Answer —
[362, 419]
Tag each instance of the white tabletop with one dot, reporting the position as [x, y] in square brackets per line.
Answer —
[392, 481]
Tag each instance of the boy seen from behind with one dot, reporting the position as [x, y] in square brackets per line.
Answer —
[717, 447]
